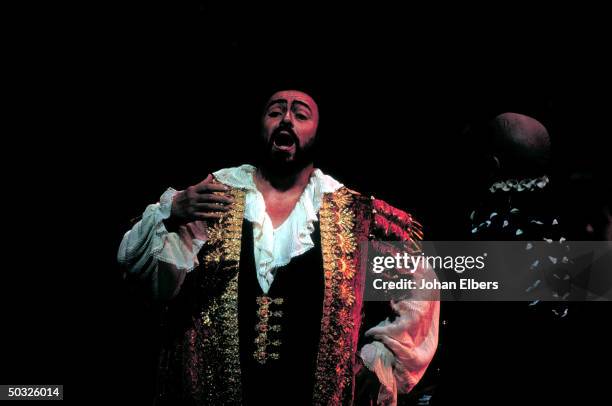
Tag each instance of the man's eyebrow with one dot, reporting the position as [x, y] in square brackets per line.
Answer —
[276, 101]
[303, 104]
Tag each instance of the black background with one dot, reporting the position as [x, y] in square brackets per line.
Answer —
[123, 101]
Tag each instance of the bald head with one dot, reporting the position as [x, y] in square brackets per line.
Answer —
[521, 144]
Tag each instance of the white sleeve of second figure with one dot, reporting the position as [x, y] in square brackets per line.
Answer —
[149, 249]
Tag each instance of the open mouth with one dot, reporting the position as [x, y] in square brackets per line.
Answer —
[283, 140]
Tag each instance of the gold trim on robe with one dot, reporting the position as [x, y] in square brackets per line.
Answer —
[220, 344]
[341, 318]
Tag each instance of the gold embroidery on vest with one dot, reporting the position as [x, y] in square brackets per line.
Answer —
[220, 317]
[263, 328]
[338, 243]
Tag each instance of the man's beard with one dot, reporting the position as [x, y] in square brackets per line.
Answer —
[279, 162]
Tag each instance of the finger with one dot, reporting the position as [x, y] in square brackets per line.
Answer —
[204, 207]
[211, 187]
[210, 198]
[207, 216]
[208, 179]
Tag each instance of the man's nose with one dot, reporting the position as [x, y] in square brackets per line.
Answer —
[287, 118]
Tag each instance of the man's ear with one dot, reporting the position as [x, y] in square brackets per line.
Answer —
[497, 163]
[493, 165]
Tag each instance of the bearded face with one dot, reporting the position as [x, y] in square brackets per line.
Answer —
[289, 127]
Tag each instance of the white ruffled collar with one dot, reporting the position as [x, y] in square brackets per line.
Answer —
[276, 247]
[520, 185]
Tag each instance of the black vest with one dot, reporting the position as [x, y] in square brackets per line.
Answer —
[280, 331]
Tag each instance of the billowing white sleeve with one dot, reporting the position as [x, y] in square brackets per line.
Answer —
[403, 348]
[162, 258]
